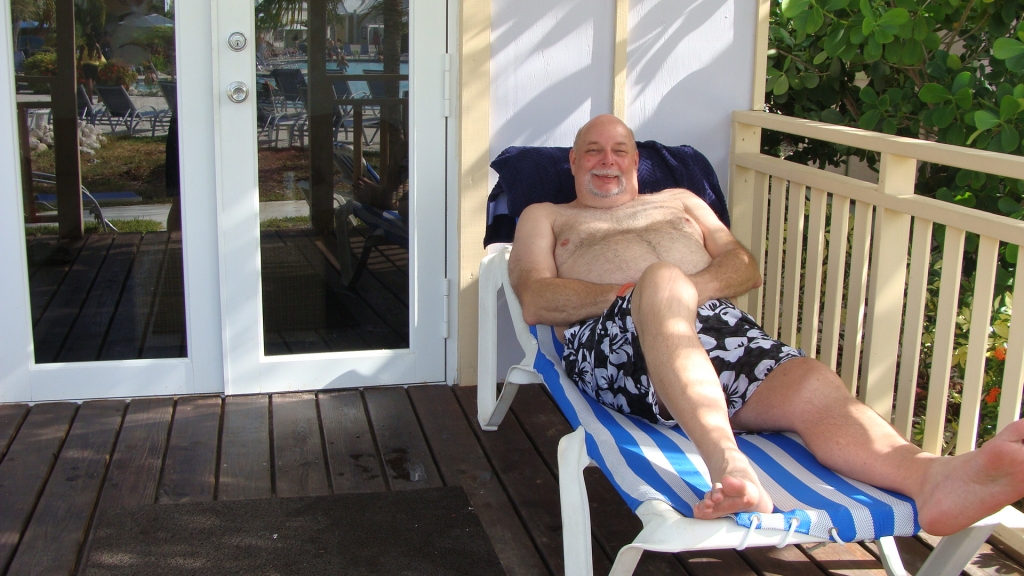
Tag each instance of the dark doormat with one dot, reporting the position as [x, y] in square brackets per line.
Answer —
[432, 531]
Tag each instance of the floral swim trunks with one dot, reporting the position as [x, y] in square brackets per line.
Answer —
[603, 357]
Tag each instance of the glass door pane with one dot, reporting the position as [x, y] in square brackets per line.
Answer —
[332, 94]
[96, 97]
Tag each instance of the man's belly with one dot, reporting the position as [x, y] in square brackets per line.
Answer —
[622, 259]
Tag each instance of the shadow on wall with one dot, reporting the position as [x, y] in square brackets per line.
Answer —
[551, 69]
[688, 69]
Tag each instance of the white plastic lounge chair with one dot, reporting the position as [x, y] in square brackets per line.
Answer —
[88, 199]
[659, 474]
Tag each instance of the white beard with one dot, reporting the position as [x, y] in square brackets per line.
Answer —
[594, 191]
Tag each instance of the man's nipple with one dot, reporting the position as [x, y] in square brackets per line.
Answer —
[564, 243]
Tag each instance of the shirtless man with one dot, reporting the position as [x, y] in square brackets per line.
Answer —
[704, 363]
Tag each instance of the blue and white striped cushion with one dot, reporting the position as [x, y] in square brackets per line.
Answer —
[645, 461]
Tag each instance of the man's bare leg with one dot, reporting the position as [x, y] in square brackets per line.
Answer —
[664, 309]
[804, 396]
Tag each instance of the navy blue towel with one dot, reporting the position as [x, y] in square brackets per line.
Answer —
[530, 174]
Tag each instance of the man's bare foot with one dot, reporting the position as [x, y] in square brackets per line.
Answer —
[732, 495]
[965, 488]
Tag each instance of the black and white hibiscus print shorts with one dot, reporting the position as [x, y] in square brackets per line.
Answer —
[603, 357]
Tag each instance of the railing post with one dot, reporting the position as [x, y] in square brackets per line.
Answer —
[748, 191]
[887, 282]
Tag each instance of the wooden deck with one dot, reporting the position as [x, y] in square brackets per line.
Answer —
[62, 464]
[121, 297]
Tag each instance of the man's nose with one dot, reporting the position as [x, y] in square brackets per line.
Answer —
[607, 158]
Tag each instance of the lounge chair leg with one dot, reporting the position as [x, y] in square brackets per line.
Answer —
[626, 561]
[572, 459]
[955, 551]
[890, 554]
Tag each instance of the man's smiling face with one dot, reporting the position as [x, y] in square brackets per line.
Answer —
[604, 162]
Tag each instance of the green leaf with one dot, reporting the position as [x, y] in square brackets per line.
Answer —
[1016, 64]
[791, 8]
[1008, 206]
[781, 86]
[963, 177]
[1011, 253]
[869, 95]
[837, 39]
[815, 18]
[913, 53]
[932, 41]
[966, 198]
[1008, 108]
[868, 26]
[857, 34]
[920, 28]
[933, 93]
[963, 98]
[956, 134]
[894, 18]
[889, 126]
[953, 62]
[873, 50]
[944, 115]
[985, 120]
[973, 136]
[870, 119]
[833, 5]
[1009, 139]
[865, 8]
[883, 36]
[962, 80]
[809, 79]
[820, 57]
[1018, 91]
[1006, 48]
[832, 116]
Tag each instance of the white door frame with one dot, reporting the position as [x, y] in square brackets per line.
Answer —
[21, 379]
[247, 369]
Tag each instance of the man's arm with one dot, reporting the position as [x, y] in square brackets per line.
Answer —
[732, 271]
[546, 298]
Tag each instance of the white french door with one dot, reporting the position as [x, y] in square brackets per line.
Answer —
[287, 327]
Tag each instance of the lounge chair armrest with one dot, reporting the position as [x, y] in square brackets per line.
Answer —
[491, 409]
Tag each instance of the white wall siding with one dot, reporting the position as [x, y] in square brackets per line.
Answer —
[690, 64]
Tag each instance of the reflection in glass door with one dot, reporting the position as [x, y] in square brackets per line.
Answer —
[96, 93]
[332, 95]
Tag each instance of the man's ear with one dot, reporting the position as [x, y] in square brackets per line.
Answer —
[572, 160]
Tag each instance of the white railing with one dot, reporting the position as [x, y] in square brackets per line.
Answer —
[851, 315]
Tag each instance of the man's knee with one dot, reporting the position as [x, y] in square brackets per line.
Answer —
[664, 284]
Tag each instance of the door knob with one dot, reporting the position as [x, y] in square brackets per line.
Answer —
[238, 92]
[236, 41]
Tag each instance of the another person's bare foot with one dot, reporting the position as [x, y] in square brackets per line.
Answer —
[731, 495]
[968, 487]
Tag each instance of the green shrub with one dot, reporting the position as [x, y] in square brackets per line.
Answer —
[116, 74]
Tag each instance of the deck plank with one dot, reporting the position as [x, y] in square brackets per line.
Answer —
[530, 486]
[54, 324]
[191, 462]
[845, 560]
[299, 464]
[987, 562]
[131, 321]
[86, 337]
[373, 329]
[408, 464]
[462, 463]
[26, 467]
[245, 449]
[11, 417]
[47, 271]
[787, 561]
[166, 336]
[59, 524]
[135, 467]
[351, 454]
[612, 522]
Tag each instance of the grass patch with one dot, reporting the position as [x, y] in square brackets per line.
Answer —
[123, 163]
[91, 227]
[288, 222]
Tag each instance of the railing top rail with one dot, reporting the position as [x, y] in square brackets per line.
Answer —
[1004, 165]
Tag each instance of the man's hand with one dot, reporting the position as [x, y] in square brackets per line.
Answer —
[732, 270]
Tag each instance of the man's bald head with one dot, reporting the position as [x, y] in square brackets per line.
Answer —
[603, 121]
